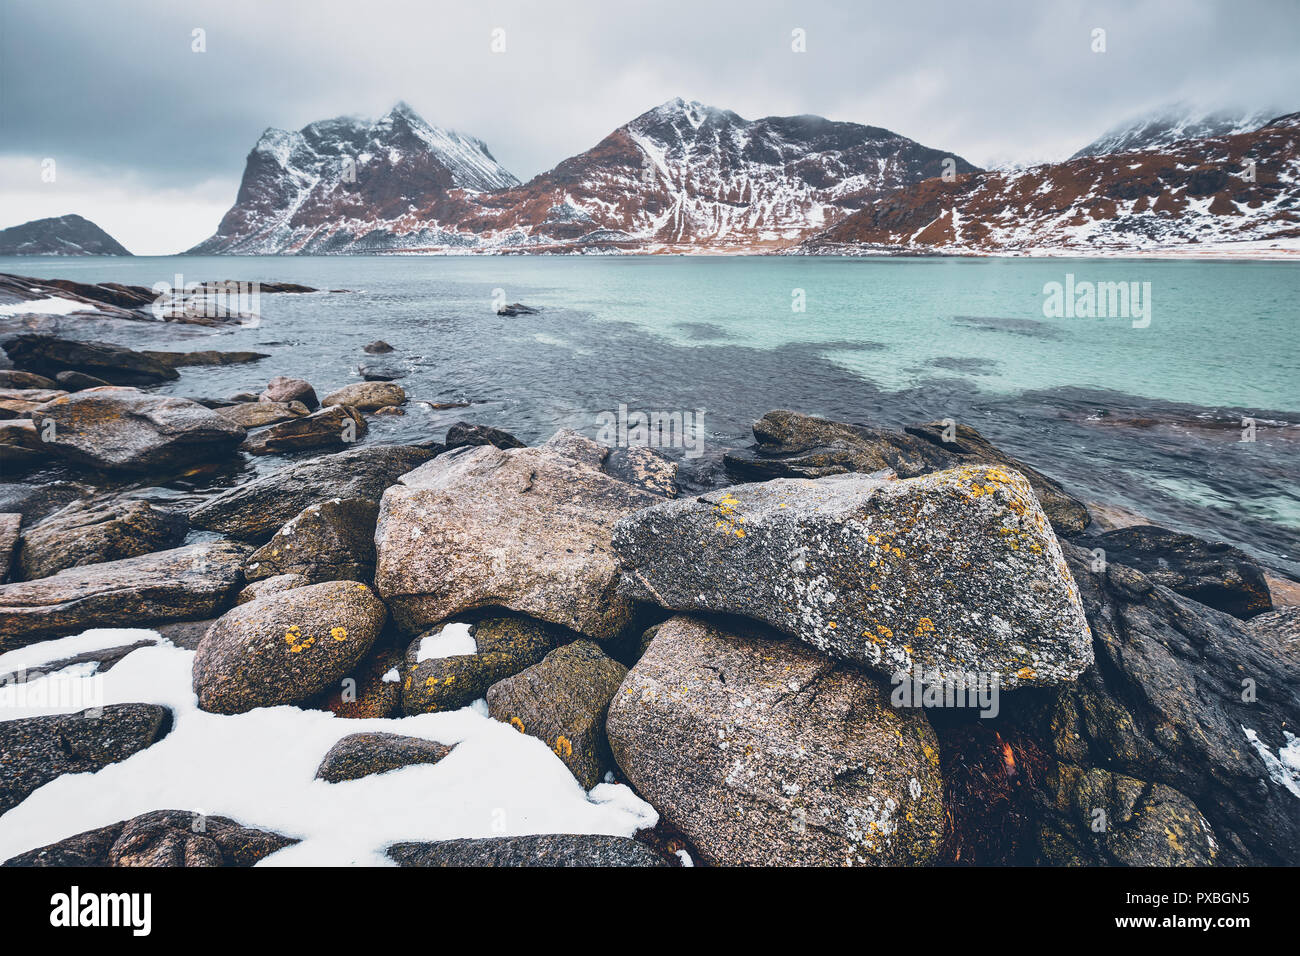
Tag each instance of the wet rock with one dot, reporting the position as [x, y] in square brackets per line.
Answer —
[367, 396]
[764, 752]
[548, 849]
[122, 429]
[1209, 572]
[192, 582]
[466, 433]
[255, 510]
[285, 648]
[91, 533]
[377, 347]
[562, 701]
[338, 426]
[372, 689]
[359, 755]
[35, 750]
[272, 585]
[10, 523]
[35, 501]
[516, 308]
[505, 646]
[77, 381]
[48, 355]
[953, 573]
[791, 445]
[257, 414]
[206, 357]
[282, 388]
[645, 468]
[390, 410]
[525, 529]
[13, 378]
[160, 838]
[381, 371]
[332, 540]
[21, 445]
[31, 396]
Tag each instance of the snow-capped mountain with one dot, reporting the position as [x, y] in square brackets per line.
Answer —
[1243, 187]
[1171, 125]
[680, 177]
[326, 186]
[70, 235]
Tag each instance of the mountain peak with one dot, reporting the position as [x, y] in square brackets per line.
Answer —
[69, 235]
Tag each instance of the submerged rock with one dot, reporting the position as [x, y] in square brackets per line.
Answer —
[547, 849]
[91, 533]
[526, 529]
[764, 752]
[367, 396]
[257, 414]
[338, 426]
[285, 648]
[359, 755]
[467, 433]
[946, 575]
[332, 540]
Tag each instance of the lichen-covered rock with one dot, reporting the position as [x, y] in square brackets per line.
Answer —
[35, 750]
[160, 838]
[644, 467]
[562, 701]
[546, 849]
[338, 426]
[366, 396]
[1209, 572]
[331, 540]
[791, 445]
[525, 529]
[1099, 818]
[285, 648]
[195, 581]
[505, 646]
[123, 429]
[256, 509]
[359, 755]
[272, 585]
[257, 414]
[764, 752]
[91, 533]
[949, 574]
[372, 689]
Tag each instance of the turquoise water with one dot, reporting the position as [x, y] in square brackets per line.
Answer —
[1147, 418]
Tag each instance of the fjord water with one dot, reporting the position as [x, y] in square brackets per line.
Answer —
[1149, 419]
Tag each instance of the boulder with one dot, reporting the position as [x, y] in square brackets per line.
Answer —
[547, 849]
[1209, 572]
[516, 308]
[644, 467]
[21, 445]
[282, 388]
[272, 585]
[195, 581]
[257, 414]
[48, 355]
[122, 429]
[505, 646]
[91, 533]
[77, 381]
[764, 752]
[34, 501]
[205, 357]
[526, 529]
[285, 648]
[161, 838]
[10, 523]
[381, 371]
[255, 510]
[360, 755]
[562, 701]
[336, 427]
[367, 396]
[31, 396]
[791, 445]
[377, 347]
[373, 689]
[35, 750]
[466, 433]
[950, 574]
[579, 447]
[331, 540]
[13, 378]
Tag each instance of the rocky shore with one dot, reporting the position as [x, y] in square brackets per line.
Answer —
[733, 658]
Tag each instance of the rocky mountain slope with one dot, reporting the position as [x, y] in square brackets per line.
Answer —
[1172, 125]
[1241, 187]
[70, 235]
[680, 177]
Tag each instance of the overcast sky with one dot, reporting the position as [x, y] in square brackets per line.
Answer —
[149, 137]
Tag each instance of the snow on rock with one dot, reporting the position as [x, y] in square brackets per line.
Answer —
[450, 640]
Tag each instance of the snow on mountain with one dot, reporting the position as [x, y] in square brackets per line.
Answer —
[70, 235]
[1236, 188]
[680, 177]
[1171, 125]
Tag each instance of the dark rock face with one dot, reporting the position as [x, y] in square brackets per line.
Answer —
[506, 646]
[359, 755]
[333, 540]
[195, 581]
[283, 388]
[953, 573]
[335, 427]
[1209, 572]
[465, 433]
[1186, 697]
[550, 849]
[122, 429]
[764, 752]
[377, 347]
[48, 355]
[255, 510]
[70, 235]
[563, 701]
[82, 534]
[801, 446]
[161, 838]
[10, 523]
[76, 381]
[35, 750]
[372, 689]
[644, 467]
[286, 647]
[13, 378]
